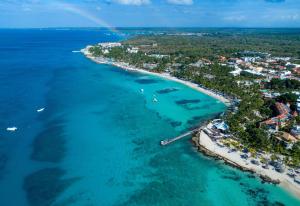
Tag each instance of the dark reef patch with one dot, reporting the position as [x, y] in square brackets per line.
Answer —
[188, 101]
[138, 141]
[167, 90]
[49, 145]
[192, 108]
[195, 120]
[188, 104]
[146, 81]
[251, 176]
[175, 123]
[260, 196]
[44, 186]
[276, 203]
[232, 177]
[3, 160]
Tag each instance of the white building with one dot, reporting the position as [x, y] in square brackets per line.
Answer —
[110, 44]
[236, 72]
[133, 50]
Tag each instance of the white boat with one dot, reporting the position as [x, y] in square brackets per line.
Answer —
[11, 129]
[155, 100]
[75, 51]
[142, 91]
[41, 109]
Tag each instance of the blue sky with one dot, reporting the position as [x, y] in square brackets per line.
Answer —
[171, 13]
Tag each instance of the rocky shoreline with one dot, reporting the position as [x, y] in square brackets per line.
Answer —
[227, 161]
[211, 148]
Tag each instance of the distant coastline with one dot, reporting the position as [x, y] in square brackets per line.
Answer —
[167, 76]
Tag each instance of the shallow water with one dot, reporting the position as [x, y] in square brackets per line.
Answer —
[97, 142]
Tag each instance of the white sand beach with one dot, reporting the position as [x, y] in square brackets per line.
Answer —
[127, 67]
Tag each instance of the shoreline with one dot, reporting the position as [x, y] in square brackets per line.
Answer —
[207, 147]
[210, 148]
[167, 76]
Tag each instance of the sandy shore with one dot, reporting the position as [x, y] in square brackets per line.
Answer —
[167, 76]
[211, 148]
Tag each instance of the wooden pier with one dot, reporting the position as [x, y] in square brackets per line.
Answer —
[169, 141]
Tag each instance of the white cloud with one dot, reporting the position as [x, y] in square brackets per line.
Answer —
[235, 18]
[132, 2]
[282, 15]
[290, 17]
[181, 2]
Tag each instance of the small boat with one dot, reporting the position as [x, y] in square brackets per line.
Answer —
[155, 100]
[41, 109]
[11, 129]
[75, 51]
[142, 91]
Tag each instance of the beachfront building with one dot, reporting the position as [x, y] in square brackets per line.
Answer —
[149, 66]
[109, 45]
[220, 125]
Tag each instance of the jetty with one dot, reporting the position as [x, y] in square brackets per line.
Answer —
[169, 141]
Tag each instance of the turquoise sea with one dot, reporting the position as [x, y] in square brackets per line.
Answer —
[97, 141]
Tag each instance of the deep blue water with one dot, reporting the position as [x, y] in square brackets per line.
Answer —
[97, 141]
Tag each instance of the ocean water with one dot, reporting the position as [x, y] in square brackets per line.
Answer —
[97, 141]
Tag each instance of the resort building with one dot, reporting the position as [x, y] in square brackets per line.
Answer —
[220, 125]
[280, 120]
[149, 66]
[110, 44]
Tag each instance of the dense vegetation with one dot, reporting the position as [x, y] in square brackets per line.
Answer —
[223, 42]
[283, 84]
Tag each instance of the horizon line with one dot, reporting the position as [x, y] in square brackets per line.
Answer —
[152, 27]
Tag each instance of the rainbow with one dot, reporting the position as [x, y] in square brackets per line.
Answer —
[85, 14]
